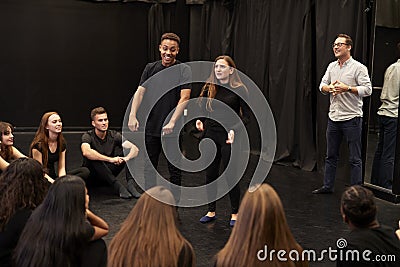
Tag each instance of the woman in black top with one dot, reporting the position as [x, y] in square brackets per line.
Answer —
[49, 147]
[223, 92]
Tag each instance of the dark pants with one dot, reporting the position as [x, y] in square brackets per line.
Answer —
[212, 172]
[82, 172]
[336, 130]
[154, 148]
[383, 165]
[106, 171]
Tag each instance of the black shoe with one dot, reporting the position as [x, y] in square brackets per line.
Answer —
[322, 190]
[122, 191]
[132, 189]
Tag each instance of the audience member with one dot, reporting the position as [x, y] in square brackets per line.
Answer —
[103, 154]
[358, 210]
[49, 147]
[261, 228]
[59, 232]
[149, 235]
[7, 150]
[22, 189]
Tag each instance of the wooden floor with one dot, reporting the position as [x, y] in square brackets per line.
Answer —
[314, 219]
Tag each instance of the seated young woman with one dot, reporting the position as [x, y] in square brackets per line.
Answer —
[61, 231]
[22, 189]
[49, 147]
[8, 151]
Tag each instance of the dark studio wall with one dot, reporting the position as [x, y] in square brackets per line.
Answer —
[70, 56]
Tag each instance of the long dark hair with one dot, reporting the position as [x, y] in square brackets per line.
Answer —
[5, 151]
[22, 186]
[149, 235]
[42, 139]
[209, 90]
[56, 231]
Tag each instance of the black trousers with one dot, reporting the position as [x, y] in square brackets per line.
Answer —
[154, 148]
[213, 170]
[106, 171]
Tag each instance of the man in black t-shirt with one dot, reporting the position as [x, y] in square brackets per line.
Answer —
[102, 151]
[164, 86]
[368, 243]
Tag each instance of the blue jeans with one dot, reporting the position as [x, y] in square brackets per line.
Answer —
[383, 165]
[336, 130]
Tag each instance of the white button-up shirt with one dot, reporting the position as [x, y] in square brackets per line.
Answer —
[346, 106]
[390, 91]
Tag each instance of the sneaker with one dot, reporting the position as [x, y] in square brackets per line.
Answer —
[206, 219]
[323, 190]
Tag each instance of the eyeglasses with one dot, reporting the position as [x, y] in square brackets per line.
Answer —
[338, 45]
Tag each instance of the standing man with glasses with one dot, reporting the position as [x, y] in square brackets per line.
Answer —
[347, 82]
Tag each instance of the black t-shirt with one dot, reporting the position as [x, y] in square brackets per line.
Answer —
[381, 241]
[163, 87]
[10, 236]
[110, 146]
[52, 158]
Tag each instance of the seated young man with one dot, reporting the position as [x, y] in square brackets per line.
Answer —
[369, 243]
[102, 151]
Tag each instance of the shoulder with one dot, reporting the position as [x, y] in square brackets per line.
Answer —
[114, 134]
[153, 65]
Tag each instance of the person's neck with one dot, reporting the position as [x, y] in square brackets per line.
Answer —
[342, 60]
[372, 225]
[100, 134]
[53, 137]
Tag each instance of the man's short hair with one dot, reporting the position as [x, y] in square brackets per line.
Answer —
[96, 111]
[359, 206]
[349, 41]
[171, 36]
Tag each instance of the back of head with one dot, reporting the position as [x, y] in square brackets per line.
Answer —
[358, 206]
[261, 222]
[157, 240]
[22, 186]
[57, 230]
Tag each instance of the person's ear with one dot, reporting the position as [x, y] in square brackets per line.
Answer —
[231, 70]
[93, 123]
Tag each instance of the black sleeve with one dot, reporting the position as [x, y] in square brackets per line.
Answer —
[244, 108]
[186, 76]
[145, 74]
[86, 138]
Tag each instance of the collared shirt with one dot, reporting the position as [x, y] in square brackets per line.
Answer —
[346, 106]
[390, 91]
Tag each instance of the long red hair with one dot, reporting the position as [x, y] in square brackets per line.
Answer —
[42, 139]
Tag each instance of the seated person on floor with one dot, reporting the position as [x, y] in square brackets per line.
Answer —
[358, 210]
[102, 151]
[7, 150]
[260, 228]
[22, 189]
[149, 235]
[62, 231]
[49, 147]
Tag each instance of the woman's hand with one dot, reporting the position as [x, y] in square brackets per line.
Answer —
[231, 137]
[199, 125]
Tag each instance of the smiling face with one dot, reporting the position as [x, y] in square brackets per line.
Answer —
[7, 138]
[168, 50]
[222, 71]
[341, 49]
[100, 122]
[54, 124]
